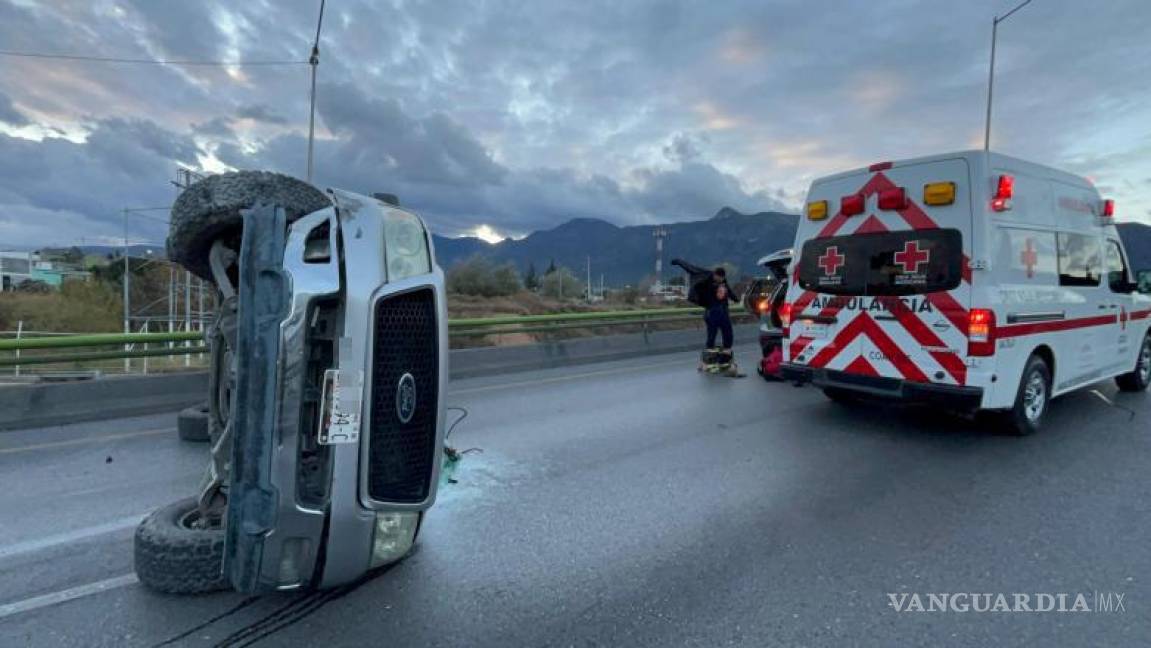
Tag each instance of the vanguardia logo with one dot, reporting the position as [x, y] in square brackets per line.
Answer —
[1099, 602]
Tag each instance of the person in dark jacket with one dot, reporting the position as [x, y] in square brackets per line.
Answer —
[717, 317]
[709, 288]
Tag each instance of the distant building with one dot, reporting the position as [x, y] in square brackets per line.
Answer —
[18, 267]
[668, 292]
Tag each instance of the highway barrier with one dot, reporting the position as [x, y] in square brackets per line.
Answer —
[65, 349]
[40, 404]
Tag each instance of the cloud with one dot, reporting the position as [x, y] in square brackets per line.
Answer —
[8, 113]
[520, 116]
[261, 113]
[62, 190]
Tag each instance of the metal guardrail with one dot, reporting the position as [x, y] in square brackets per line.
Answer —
[460, 328]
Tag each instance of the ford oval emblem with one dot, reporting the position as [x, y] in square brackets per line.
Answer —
[406, 398]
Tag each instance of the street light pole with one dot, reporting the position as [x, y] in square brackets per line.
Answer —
[314, 60]
[127, 289]
[991, 73]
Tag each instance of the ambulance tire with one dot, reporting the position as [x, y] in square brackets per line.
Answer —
[1032, 399]
[844, 397]
[1138, 379]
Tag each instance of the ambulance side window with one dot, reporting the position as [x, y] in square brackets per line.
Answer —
[1116, 267]
[1080, 262]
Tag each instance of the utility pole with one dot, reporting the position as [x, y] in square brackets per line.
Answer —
[991, 73]
[660, 233]
[126, 281]
[589, 279]
[187, 313]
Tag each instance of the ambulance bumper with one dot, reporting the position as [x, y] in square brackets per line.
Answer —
[950, 396]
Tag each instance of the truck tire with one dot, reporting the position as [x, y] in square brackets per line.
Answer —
[192, 424]
[176, 558]
[210, 209]
[1138, 379]
[1032, 398]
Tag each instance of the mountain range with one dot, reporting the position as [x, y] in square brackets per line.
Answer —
[625, 255]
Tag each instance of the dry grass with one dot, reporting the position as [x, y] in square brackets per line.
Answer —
[79, 307]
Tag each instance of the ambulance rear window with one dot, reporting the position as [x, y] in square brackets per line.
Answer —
[885, 263]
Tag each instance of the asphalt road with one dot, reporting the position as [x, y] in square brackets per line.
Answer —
[636, 503]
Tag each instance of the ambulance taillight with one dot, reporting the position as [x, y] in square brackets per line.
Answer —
[893, 199]
[785, 318]
[980, 332]
[851, 205]
[1004, 190]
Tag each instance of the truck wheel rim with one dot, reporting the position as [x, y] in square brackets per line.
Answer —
[1034, 397]
[1145, 361]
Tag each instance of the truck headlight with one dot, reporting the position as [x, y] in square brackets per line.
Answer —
[406, 245]
[393, 537]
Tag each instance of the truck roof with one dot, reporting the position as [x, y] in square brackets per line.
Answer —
[995, 161]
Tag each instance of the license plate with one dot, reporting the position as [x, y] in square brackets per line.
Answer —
[340, 407]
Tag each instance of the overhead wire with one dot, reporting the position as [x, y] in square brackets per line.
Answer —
[146, 61]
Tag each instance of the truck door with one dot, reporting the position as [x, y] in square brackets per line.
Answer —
[1089, 310]
[1119, 341]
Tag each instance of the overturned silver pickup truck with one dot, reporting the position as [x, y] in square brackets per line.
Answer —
[326, 404]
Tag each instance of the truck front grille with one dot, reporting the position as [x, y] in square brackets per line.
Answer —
[402, 454]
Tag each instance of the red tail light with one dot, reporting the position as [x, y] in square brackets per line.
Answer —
[981, 332]
[851, 205]
[893, 199]
[1108, 209]
[785, 318]
[1003, 192]
[1006, 187]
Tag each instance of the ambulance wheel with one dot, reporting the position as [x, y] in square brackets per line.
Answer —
[841, 396]
[1140, 377]
[1032, 399]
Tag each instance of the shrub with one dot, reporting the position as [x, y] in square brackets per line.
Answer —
[561, 284]
[478, 276]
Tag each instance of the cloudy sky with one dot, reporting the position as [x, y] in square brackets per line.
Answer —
[516, 116]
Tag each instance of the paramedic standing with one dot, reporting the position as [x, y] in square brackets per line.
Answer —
[716, 316]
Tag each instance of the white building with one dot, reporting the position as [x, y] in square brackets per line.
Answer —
[16, 268]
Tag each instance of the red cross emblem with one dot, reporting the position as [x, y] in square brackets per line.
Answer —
[1030, 257]
[831, 260]
[912, 257]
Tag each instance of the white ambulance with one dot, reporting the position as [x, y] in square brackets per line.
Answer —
[972, 279]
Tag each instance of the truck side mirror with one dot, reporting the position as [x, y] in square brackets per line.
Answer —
[1143, 282]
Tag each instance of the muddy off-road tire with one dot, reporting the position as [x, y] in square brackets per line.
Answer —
[210, 209]
[174, 558]
[192, 424]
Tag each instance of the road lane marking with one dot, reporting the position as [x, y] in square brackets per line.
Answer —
[588, 374]
[95, 439]
[69, 536]
[55, 598]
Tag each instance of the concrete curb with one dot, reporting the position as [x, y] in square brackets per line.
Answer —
[491, 361]
[47, 404]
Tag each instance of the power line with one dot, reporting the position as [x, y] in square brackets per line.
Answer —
[112, 59]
